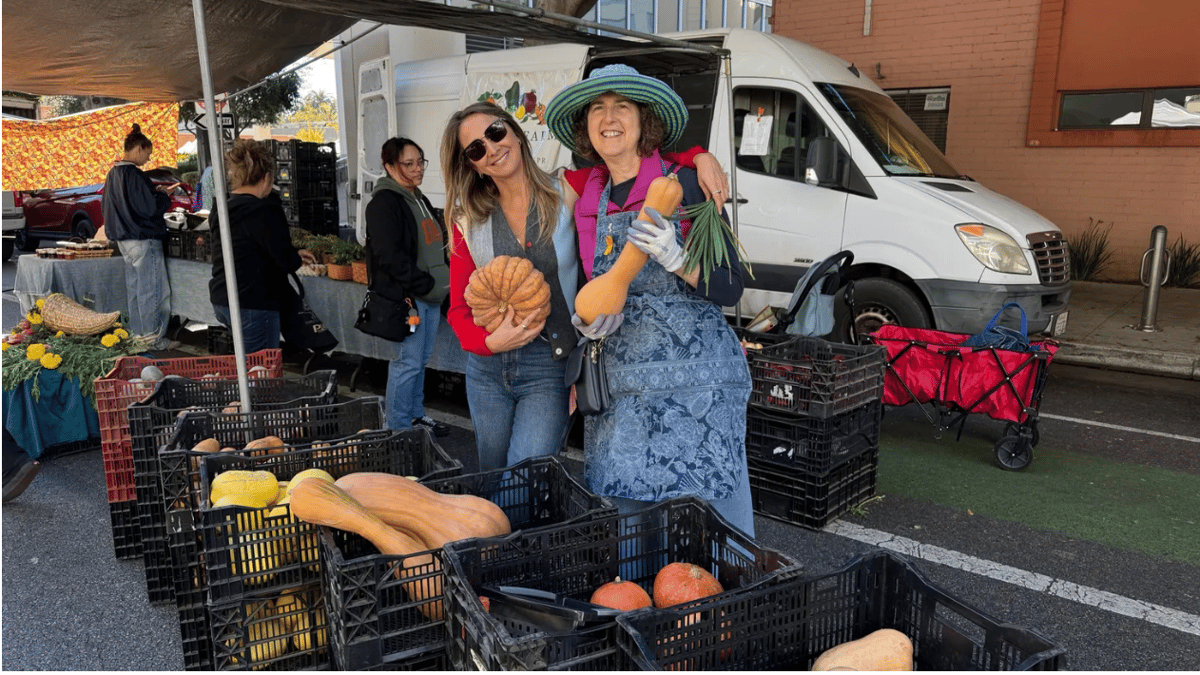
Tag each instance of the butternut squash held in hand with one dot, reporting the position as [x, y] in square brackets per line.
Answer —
[605, 294]
[320, 502]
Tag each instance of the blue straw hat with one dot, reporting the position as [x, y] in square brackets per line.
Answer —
[619, 79]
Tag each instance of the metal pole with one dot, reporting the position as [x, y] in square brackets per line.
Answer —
[1160, 266]
[214, 148]
[727, 66]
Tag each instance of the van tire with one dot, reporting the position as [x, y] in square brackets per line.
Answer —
[878, 301]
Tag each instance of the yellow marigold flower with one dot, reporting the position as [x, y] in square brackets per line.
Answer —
[59, 334]
[34, 318]
[35, 352]
[121, 333]
[109, 340]
[4, 346]
[51, 361]
[40, 303]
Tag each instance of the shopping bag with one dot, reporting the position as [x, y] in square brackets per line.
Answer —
[301, 326]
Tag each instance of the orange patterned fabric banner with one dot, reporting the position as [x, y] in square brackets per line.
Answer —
[80, 149]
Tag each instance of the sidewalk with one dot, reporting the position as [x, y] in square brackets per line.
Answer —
[1100, 330]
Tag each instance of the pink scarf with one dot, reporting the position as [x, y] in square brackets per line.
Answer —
[587, 206]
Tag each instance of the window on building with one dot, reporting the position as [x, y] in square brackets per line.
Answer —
[793, 124]
[929, 108]
[676, 15]
[1138, 109]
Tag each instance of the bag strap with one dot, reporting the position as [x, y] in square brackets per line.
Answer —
[300, 291]
[995, 319]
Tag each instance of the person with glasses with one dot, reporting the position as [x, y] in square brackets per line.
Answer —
[677, 376]
[406, 256]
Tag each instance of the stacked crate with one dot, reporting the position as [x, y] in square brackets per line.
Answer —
[306, 174]
[812, 428]
[248, 583]
[114, 392]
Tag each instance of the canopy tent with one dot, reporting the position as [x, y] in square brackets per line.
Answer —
[80, 149]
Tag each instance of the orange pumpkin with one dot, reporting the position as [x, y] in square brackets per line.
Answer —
[506, 281]
[683, 582]
[622, 595]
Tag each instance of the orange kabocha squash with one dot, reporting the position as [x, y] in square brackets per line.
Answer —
[506, 281]
[622, 595]
[683, 582]
[605, 294]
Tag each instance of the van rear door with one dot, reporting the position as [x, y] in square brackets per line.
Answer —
[376, 124]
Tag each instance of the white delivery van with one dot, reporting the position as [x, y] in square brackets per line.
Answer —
[824, 161]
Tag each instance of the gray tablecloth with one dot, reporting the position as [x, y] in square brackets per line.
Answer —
[336, 302]
[100, 281]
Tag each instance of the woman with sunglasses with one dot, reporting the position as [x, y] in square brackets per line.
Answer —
[406, 256]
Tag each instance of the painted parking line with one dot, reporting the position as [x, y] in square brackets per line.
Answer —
[1094, 597]
[1118, 427]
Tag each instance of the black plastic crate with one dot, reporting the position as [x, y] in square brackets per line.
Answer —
[813, 445]
[152, 422]
[195, 638]
[285, 171]
[127, 534]
[780, 491]
[220, 340]
[316, 171]
[574, 560]
[436, 659]
[190, 245]
[269, 632]
[248, 551]
[787, 626]
[816, 378]
[374, 622]
[316, 189]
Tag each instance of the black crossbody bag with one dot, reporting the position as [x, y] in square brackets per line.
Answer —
[585, 369]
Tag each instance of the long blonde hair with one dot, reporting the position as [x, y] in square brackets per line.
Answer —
[471, 197]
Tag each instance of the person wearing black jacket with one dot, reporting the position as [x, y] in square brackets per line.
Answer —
[263, 255]
[406, 257]
[133, 217]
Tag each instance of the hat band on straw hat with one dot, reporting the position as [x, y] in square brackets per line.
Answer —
[564, 109]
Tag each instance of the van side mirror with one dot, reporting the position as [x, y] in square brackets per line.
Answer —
[821, 166]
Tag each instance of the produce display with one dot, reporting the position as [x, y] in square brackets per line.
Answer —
[605, 293]
[506, 281]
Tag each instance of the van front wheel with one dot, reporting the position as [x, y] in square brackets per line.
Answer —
[878, 301]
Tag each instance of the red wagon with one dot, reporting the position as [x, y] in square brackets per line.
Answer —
[949, 382]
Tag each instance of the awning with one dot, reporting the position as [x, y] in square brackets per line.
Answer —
[145, 50]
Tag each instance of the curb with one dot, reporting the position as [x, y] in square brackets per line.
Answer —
[1145, 361]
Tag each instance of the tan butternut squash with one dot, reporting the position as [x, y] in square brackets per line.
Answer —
[423, 514]
[605, 293]
[884, 649]
[323, 503]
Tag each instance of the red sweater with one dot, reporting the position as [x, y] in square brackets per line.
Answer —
[472, 337]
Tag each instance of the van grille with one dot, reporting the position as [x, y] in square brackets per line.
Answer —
[1052, 256]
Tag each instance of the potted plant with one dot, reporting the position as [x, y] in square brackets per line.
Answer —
[342, 253]
[358, 265]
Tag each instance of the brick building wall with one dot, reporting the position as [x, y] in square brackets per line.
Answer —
[985, 53]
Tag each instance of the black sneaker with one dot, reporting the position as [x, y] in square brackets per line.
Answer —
[19, 479]
[437, 428]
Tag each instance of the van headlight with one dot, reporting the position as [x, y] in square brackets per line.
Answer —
[996, 250]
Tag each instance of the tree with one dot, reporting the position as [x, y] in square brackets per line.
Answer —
[317, 112]
[69, 105]
[265, 104]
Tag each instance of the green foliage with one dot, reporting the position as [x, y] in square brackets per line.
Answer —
[705, 246]
[1090, 254]
[346, 252]
[265, 104]
[1184, 270]
[69, 105]
[187, 164]
[301, 238]
[320, 244]
[83, 357]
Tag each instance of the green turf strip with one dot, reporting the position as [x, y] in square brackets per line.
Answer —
[1137, 508]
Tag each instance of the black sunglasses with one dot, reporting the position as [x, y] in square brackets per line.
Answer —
[495, 133]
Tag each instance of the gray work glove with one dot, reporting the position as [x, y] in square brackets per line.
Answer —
[657, 240]
[603, 326]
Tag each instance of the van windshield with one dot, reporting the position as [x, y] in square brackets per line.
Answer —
[889, 135]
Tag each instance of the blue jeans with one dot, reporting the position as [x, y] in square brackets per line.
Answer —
[406, 371]
[146, 288]
[518, 404]
[260, 327]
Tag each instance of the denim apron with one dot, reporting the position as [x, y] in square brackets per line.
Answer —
[679, 385]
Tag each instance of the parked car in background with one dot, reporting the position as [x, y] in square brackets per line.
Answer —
[14, 221]
[62, 213]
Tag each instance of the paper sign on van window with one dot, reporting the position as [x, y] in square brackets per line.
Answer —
[756, 135]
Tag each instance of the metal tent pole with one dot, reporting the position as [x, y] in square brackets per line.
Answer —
[214, 146]
[727, 66]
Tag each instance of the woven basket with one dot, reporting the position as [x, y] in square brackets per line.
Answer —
[63, 313]
[358, 269]
[339, 272]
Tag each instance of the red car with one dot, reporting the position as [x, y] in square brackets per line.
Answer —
[63, 213]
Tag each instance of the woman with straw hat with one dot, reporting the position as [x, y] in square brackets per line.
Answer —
[676, 372]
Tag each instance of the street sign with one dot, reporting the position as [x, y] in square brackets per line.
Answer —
[224, 120]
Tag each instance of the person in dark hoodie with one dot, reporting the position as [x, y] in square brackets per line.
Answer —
[263, 255]
[133, 217]
[406, 256]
